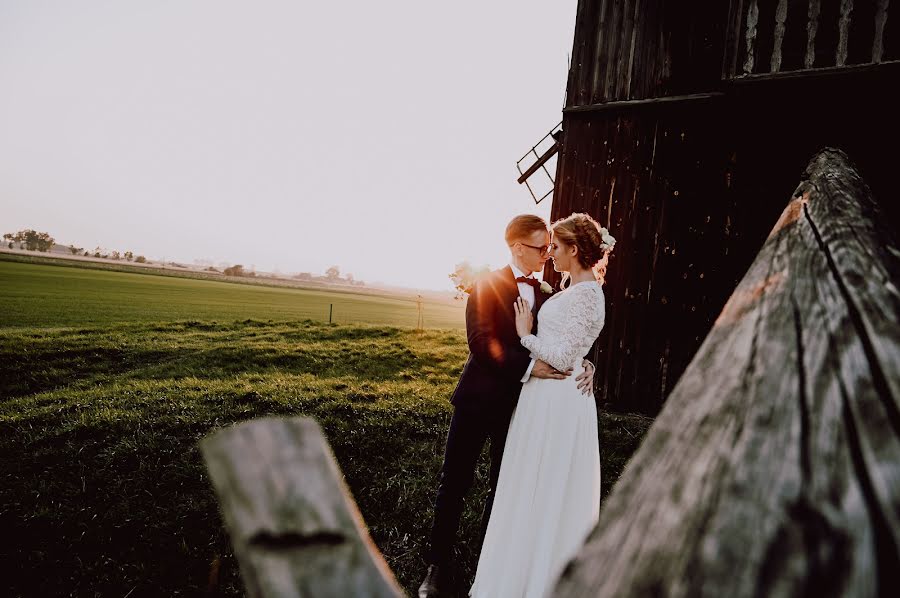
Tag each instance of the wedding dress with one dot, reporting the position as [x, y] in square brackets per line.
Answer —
[548, 493]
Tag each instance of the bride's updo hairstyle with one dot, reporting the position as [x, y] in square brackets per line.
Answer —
[594, 242]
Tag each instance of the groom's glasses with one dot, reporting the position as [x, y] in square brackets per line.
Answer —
[544, 249]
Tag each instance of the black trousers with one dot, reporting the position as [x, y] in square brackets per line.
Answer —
[469, 430]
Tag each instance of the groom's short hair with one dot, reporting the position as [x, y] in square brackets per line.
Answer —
[523, 226]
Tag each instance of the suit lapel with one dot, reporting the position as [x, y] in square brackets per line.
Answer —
[512, 287]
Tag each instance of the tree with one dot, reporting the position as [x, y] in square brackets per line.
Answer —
[235, 270]
[10, 245]
[116, 255]
[333, 273]
[304, 276]
[75, 250]
[140, 259]
[129, 256]
[31, 240]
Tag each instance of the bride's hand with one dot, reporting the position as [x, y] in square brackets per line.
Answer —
[524, 319]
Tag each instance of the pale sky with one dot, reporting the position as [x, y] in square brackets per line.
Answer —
[378, 136]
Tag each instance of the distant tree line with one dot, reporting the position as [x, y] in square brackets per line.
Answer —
[38, 241]
[30, 240]
[237, 270]
[33, 240]
[332, 275]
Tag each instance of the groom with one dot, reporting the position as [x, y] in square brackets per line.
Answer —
[489, 387]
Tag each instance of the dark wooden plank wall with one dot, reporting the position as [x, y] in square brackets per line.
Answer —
[634, 49]
[686, 187]
[664, 197]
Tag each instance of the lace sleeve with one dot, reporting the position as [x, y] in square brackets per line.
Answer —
[583, 322]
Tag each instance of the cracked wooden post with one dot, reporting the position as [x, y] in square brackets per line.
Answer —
[294, 527]
[774, 466]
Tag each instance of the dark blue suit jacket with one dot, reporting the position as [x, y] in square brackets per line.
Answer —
[491, 378]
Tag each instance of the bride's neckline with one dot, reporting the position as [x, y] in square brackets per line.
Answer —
[575, 284]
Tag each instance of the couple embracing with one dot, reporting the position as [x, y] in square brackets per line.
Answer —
[527, 387]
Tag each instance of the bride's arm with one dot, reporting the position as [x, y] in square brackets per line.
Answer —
[585, 313]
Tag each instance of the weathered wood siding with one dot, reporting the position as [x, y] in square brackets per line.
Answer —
[773, 36]
[664, 198]
[688, 187]
[633, 49]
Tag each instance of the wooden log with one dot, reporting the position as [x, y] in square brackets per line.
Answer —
[294, 527]
[774, 467]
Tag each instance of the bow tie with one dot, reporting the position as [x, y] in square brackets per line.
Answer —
[534, 282]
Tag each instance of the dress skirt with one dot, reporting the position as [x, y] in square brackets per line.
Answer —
[548, 492]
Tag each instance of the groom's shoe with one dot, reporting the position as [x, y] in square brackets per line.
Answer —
[434, 585]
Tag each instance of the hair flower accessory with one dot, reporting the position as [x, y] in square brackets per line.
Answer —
[609, 241]
[546, 288]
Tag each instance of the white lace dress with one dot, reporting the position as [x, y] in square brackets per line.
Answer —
[548, 493]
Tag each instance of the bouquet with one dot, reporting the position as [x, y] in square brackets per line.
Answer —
[464, 277]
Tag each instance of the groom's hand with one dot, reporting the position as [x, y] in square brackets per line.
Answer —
[543, 369]
[586, 378]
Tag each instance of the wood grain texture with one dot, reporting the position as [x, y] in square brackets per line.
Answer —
[881, 11]
[774, 468]
[293, 524]
[636, 49]
[812, 26]
[781, 13]
[840, 56]
[750, 36]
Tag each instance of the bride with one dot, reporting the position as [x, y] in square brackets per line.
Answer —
[548, 493]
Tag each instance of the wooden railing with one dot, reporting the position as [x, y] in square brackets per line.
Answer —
[773, 36]
[773, 469]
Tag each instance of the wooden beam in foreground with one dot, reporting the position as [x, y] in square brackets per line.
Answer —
[294, 527]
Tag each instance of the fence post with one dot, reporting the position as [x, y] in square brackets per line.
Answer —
[420, 321]
[294, 526]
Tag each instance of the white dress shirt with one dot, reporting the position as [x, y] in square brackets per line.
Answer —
[526, 291]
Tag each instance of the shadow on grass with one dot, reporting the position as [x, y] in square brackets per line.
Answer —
[44, 368]
[112, 506]
[34, 363]
[102, 483]
[320, 360]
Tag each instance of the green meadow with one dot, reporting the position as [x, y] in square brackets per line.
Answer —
[45, 292]
[108, 380]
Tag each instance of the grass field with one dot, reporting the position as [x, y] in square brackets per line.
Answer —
[102, 488]
[61, 293]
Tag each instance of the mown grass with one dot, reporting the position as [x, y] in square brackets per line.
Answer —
[102, 487]
[46, 292]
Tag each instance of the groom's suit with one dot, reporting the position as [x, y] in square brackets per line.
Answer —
[484, 400]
